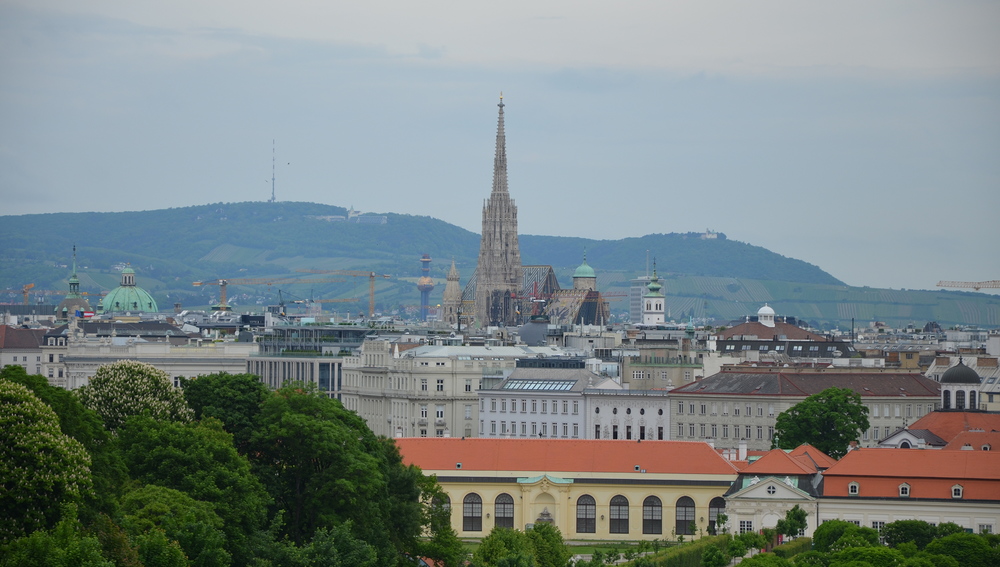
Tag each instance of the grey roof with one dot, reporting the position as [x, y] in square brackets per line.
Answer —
[926, 434]
[487, 352]
[960, 374]
[531, 277]
[549, 380]
[796, 384]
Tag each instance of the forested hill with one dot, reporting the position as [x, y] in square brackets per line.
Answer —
[254, 238]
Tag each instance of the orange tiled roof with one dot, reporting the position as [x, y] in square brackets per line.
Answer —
[778, 462]
[948, 424]
[806, 452]
[562, 455]
[879, 472]
[916, 463]
[974, 439]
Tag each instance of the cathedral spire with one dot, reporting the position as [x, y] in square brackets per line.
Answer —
[500, 158]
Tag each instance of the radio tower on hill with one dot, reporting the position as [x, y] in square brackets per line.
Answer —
[272, 171]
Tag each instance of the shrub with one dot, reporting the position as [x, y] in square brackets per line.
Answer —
[792, 548]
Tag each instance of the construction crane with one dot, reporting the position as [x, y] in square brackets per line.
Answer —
[992, 284]
[24, 290]
[354, 273]
[223, 283]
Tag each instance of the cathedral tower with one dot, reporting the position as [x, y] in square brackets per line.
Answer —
[499, 270]
[451, 303]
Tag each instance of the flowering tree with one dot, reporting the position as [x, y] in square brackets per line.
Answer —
[126, 388]
[40, 467]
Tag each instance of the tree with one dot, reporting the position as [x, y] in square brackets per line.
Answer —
[971, 550]
[793, 523]
[714, 557]
[107, 470]
[199, 459]
[765, 560]
[829, 421]
[443, 544]
[549, 548]
[233, 399]
[40, 467]
[323, 466]
[191, 523]
[876, 556]
[337, 547]
[64, 546]
[504, 544]
[126, 388]
[902, 531]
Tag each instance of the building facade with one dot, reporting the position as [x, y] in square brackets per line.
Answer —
[742, 402]
[590, 490]
[425, 390]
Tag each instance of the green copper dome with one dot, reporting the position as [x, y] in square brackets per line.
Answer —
[128, 297]
[584, 271]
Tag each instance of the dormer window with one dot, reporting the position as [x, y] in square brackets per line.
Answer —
[904, 490]
[853, 489]
[956, 491]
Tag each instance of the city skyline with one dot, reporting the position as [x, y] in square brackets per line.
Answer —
[858, 138]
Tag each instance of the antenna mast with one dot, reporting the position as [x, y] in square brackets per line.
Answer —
[272, 171]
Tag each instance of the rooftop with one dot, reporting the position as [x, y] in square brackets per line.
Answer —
[562, 456]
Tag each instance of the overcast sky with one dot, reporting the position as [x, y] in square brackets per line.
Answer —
[863, 137]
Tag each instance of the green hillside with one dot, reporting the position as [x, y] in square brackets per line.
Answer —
[171, 248]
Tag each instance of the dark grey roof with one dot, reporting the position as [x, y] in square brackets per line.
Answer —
[780, 383]
[960, 374]
[925, 434]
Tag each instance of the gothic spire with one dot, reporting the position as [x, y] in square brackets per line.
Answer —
[500, 159]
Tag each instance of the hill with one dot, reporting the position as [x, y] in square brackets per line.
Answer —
[172, 248]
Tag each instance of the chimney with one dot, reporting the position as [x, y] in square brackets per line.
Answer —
[742, 450]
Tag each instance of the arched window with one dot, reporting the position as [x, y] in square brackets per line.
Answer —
[619, 515]
[946, 398]
[904, 445]
[972, 399]
[685, 516]
[715, 507]
[586, 515]
[472, 513]
[504, 511]
[652, 516]
[442, 503]
[960, 399]
[904, 490]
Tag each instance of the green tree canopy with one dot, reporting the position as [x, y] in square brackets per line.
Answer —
[829, 421]
[504, 546]
[191, 523]
[971, 550]
[547, 543]
[107, 469]
[233, 399]
[902, 531]
[876, 556]
[323, 466]
[199, 459]
[40, 467]
[64, 546]
[793, 522]
[126, 388]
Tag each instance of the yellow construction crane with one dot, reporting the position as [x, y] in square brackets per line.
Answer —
[222, 283]
[24, 290]
[357, 274]
[992, 284]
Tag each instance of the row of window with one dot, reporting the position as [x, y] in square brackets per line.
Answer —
[704, 407]
[628, 411]
[586, 514]
[897, 410]
[711, 431]
[854, 489]
[781, 348]
[534, 406]
[537, 429]
[628, 432]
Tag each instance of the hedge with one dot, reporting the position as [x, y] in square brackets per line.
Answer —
[792, 548]
[685, 555]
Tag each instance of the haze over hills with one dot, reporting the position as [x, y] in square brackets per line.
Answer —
[713, 278]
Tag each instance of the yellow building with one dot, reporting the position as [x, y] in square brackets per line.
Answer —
[589, 489]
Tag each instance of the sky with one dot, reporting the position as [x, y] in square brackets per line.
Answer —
[863, 137]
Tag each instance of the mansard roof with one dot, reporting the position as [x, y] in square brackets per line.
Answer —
[746, 381]
[780, 330]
